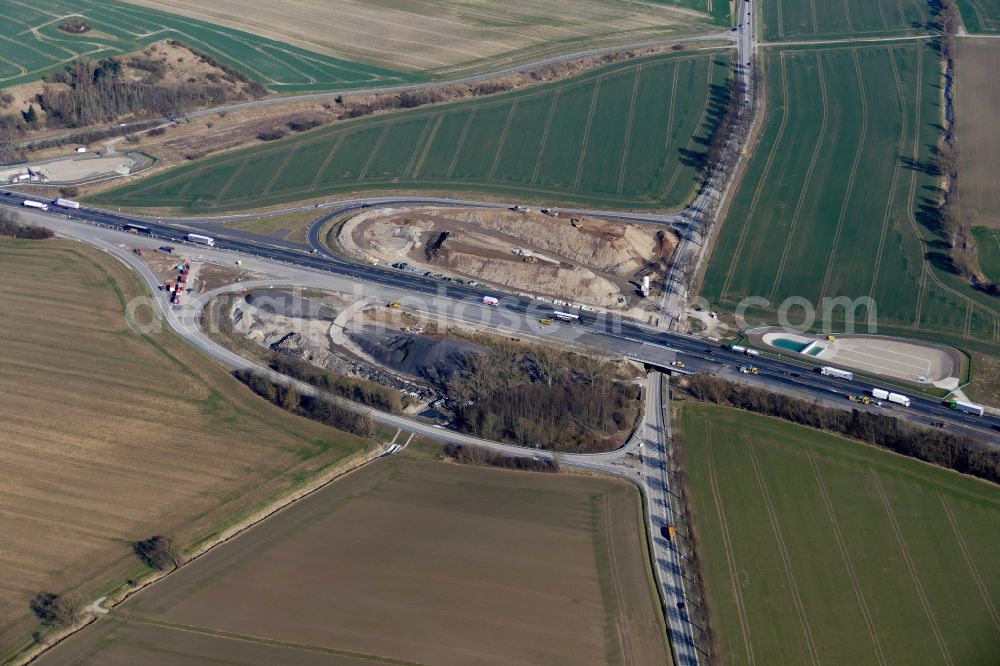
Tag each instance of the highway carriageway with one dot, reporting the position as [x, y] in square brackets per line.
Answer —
[800, 379]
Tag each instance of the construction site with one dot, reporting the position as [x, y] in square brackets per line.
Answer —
[582, 259]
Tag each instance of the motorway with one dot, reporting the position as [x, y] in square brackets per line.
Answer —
[610, 332]
[653, 434]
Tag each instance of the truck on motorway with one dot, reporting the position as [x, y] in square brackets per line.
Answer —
[737, 349]
[749, 369]
[135, 228]
[565, 316]
[491, 300]
[966, 407]
[752, 352]
[880, 394]
[201, 240]
[836, 372]
[66, 203]
[899, 399]
[29, 203]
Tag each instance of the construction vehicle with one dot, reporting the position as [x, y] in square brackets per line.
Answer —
[668, 532]
[577, 224]
[862, 399]
[831, 338]
[750, 369]
[545, 322]
[137, 250]
[395, 305]
[678, 364]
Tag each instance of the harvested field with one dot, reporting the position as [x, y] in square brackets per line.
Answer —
[110, 436]
[590, 261]
[805, 19]
[978, 127]
[837, 199]
[449, 38]
[818, 549]
[32, 45]
[625, 135]
[408, 561]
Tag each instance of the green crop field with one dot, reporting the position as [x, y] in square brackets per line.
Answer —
[980, 16]
[837, 200]
[32, 44]
[806, 19]
[988, 249]
[620, 136]
[818, 549]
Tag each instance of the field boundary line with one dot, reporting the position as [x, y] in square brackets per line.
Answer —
[545, 134]
[904, 130]
[461, 142]
[425, 150]
[232, 179]
[418, 146]
[628, 129]
[280, 169]
[812, 7]
[808, 178]
[764, 175]
[326, 162]
[690, 142]
[670, 111]
[851, 180]
[503, 140]
[912, 567]
[983, 590]
[783, 552]
[846, 556]
[622, 624]
[248, 638]
[586, 133]
[727, 545]
[377, 147]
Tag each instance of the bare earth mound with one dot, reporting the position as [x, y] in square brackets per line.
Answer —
[584, 260]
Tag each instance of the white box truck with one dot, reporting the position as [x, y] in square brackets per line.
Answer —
[899, 399]
[67, 203]
[28, 203]
[880, 394]
[967, 407]
[201, 240]
[737, 349]
[836, 372]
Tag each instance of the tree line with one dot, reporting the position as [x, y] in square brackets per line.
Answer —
[317, 408]
[477, 455]
[958, 452]
[363, 391]
[11, 225]
[542, 398]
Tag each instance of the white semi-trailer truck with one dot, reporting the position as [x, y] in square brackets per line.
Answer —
[201, 240]
[28, 203]
[836, 372]
[67, 203]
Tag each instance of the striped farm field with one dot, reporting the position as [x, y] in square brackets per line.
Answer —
[32, 45]
[988, 249]
[837, 201]
[808, 19]
[622, 136]
[980, 16]
[823, 550]
[111, 435]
